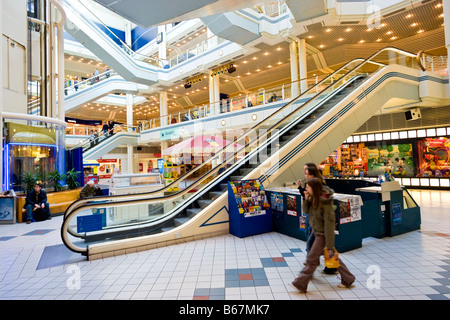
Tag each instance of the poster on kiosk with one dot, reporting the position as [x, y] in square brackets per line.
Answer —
[249, 208]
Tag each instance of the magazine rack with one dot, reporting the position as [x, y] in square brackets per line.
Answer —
[249, 208]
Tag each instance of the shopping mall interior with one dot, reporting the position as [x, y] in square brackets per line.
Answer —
[195, 121]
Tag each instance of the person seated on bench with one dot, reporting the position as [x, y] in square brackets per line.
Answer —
[36, 205]
[90, 190]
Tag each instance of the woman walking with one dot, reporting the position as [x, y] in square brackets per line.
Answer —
[319, 206]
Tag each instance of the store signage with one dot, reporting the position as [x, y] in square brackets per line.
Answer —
[170, 133]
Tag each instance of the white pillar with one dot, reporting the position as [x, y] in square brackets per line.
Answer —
[162, 47]
[302, 64]
[216, 94]
[294, 68]
[60, 59]
[211, 95]
[163, 109]
[128, 34]
[163, 116]
[129, 100]
[446, 7]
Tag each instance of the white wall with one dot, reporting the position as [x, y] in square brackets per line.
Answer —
[14, 44]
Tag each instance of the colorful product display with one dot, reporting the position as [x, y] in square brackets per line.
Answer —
[428, 157]
[250, 197]
[434, 157]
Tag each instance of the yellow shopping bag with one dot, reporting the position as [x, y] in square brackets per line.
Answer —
[332, 262]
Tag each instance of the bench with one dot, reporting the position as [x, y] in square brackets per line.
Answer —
[58, 202]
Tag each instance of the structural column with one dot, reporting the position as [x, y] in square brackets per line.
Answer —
[162, 46]
[214, 94]
[129, 100]
[293, 52]
[302, 64]
[164, 114]
[446, 7]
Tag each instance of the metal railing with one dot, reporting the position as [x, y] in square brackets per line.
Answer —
[271, 123]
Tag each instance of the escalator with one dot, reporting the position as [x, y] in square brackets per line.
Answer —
[89, 91]
[276, 150]
[84, 26]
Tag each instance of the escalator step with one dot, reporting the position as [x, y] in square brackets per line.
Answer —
[204, 203]
[215, 194]
[224, 186]
[180, 221]
[167, 228]
[192, 212]
[236, 177]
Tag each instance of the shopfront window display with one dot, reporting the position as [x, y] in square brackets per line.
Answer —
[397, 159]
[434, 157]
[371, 160]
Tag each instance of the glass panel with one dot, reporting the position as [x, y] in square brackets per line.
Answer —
[408, 201]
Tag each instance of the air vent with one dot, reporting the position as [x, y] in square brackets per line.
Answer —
[349, 22]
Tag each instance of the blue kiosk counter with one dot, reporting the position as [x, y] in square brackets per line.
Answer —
[288, 218]
[392, 210]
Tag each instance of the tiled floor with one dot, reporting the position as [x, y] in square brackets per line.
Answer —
[35, 265]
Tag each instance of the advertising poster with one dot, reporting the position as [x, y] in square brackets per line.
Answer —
[396, 213]
[349, 210]
[291, 205]
[250, 197]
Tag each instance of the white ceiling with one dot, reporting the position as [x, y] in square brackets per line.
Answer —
[339, 46]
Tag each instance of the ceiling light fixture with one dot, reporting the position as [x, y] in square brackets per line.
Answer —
[348, 29]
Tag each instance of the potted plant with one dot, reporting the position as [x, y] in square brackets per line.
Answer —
[71, 179]
[29, 180]
[56, 177]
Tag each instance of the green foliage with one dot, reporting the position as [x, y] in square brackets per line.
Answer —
[71, 178]
[29, 180]
[56, 177]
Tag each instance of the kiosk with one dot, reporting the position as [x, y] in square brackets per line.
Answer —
[249, 209]
[289, 219]
[394, 211]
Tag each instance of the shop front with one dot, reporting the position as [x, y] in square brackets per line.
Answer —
[417, 162]
[31, 151]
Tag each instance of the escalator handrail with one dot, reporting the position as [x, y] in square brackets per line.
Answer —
[80, 202]
[212, 171]
[170, 215]
[129, 49]
[228, 146]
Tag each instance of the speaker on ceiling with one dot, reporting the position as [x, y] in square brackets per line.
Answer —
[413, 114]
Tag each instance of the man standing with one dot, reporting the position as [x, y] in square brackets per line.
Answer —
[36, 204]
